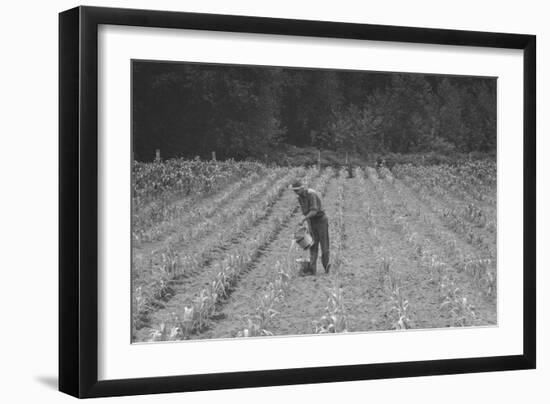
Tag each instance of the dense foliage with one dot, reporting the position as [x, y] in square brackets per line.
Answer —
[157, 185]
[189, 109]
[433, 229]
[180, 177]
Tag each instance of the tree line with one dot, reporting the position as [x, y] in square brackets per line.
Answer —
[190, 109]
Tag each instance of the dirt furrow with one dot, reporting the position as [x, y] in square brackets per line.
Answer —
[402, 263]
[184, 213]
[364, 297]
[244, 299]
[306, 296]
[186, 289]
[190, 233]
[480, 238]
[438, 241]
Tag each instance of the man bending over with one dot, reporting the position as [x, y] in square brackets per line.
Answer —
[310, 202]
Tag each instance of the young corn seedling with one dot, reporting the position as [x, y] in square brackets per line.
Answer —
[437, 270]
[160, 286]
[205, 303]
[491, 283]
[141, 304]
[477, 269]
[335, 319]
[384, 271]
[400, 306]
[167, 332]
[399, 310]
[170, 262]
[197, 316]
[160, 334]
[462, 312]
[337, 257]
[414, 241]
[257, 324]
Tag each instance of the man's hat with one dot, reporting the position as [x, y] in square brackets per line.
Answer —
[296, 185]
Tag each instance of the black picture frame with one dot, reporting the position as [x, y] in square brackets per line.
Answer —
[78, 201]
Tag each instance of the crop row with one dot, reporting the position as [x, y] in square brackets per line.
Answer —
[472, 181]
[156, 221]
[245, 218]
[229, 269]
[182, 177]
[334, 319]
[441, 274]
[167, 257]
[452, 298]
[389, 280]
[258, 323]
[202, 220]
[480, 269]
[171, 265]
[480, 238]
[466, 210]
[158, 187]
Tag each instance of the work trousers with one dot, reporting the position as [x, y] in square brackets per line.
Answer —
[319, 233]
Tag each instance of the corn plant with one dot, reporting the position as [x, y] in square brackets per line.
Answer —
[232, 266]
[471, 181]
[414, 240]
[182, 177]
[172, 331]
[478, 268]
[367, 209]
[384, 270]
[483, 275]
[173, 265]
[464, 217]
[257, 324]
[490, 283]
[339, 240]
[400, 306]
[334, 320]
[399, 309]
[169, 262]
[141, 304]
[437, 270]
[162, 190]
[386, 174]
[185, 212]
[456, 303]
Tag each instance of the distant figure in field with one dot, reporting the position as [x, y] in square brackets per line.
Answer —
[387, 163]
[310, 202]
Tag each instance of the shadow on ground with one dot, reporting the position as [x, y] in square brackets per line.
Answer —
[48, 381]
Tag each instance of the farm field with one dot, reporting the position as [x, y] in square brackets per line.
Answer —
[212, 257]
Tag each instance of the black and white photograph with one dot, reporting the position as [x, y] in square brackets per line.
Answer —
[283, 202]
[274, 201]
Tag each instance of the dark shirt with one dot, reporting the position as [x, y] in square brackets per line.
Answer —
[311, 201]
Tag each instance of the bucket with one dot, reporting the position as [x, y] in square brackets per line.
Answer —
[303, 265]
[303, 238]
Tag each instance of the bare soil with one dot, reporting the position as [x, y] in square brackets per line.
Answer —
[384, 221]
